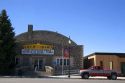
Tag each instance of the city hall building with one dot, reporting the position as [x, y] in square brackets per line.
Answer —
[38, 49]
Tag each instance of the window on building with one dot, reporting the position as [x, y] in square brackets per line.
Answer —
[61, 61]
[57, 62]
[101, 63]
[26, 61]
[65, 62]
[111, 65]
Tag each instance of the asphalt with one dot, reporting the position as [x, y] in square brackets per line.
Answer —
[62, 77]
[79, 77]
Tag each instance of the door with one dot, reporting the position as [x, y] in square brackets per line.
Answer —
[97, 71]
[38, 64]
[123, 68]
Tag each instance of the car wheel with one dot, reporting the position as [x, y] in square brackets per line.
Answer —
[113, 76]
[85, 76]
[109, 77]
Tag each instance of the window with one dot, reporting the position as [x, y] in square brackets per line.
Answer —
[26, 61]
[67, 61]
[64, 61]
[101, 63]
[111, 65]
[61, 61]
[57, 62]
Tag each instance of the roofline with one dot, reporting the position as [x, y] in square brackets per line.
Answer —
[106, 53]
[38, 31]
[73, 42]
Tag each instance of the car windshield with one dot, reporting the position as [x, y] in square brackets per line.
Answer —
[95, 68]
[91, 68]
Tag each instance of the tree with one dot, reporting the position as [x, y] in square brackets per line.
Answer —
[7, 45]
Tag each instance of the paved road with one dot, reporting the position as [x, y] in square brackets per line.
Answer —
[51, 80]
[78, 77]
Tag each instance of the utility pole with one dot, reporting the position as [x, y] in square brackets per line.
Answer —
[62, 58]
[69, 41]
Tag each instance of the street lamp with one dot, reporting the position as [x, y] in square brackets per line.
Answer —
[69, 41]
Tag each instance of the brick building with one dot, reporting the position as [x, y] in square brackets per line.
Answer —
[113, 61]
[40, 48]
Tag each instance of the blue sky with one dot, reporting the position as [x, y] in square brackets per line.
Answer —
[99, 25]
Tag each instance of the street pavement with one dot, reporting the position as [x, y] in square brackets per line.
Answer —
[79, 77]
[73, 76]
[55, 80]
[59, 79]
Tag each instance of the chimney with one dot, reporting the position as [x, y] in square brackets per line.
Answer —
[30, 28]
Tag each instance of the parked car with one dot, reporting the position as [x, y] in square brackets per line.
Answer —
[98, 71]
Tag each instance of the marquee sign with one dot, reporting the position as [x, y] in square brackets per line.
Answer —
[38, 49]
[46, 52]
[38, 46]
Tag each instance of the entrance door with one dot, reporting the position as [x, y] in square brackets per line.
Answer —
[38, 64]
[123, 68]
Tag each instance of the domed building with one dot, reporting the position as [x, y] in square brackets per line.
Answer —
[39, 48]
